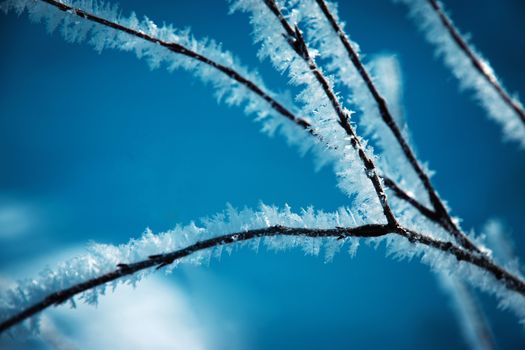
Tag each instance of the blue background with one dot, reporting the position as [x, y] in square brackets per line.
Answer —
[100, 147]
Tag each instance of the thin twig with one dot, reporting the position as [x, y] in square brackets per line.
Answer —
[439, 208]
[510, 281]
[297, 43]
[180, 49]
[476, 61]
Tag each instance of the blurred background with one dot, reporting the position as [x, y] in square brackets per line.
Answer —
[96, 147]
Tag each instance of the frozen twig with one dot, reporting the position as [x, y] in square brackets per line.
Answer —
[476, 61]
[472, 70]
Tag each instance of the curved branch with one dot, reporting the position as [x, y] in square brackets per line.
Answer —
[162, 260]
[440, 210]
[366, 231]
[177, 48]
[477, 63]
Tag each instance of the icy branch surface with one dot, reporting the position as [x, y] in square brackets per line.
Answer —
[103, 258]
[428, 21]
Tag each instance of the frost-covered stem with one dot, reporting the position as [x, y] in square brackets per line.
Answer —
[511, 281]
[297, 43]
[441, 213]
[162, 260]
[365, 231]
[179, 49]
[476, 61]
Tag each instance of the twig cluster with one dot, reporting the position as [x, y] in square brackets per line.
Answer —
[460, 246]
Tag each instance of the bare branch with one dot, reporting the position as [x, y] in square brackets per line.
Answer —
[179, 49]
[300, 46]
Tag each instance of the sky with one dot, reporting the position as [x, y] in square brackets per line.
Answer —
[97, 147]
